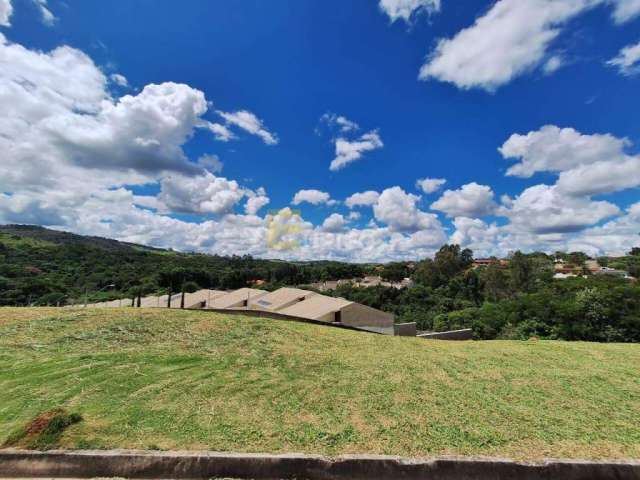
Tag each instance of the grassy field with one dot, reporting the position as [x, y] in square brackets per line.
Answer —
[192, 380]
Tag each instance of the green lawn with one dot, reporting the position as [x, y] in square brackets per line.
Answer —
[197, 380]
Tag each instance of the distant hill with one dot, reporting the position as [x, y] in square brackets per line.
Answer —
[39, 266]
[57, 237]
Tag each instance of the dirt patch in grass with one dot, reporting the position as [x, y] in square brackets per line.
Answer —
[44, 431]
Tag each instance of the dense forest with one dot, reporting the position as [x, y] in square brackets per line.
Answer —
[518, 299]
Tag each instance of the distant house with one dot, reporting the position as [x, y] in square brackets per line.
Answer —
[592, 265]
[562, 275]
[487, 262]
[612, 271]
[567, 269]
[370, 281]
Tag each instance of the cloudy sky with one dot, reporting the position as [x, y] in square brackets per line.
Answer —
[367, 130]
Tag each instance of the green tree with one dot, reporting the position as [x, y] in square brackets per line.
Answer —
[521, 270]
[394, 272]
[449, 261]
[495, 283]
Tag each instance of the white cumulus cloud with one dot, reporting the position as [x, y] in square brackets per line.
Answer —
[601, 177]
[6, 10]
[543, 209]
[625, 10]
[204, 193]
[334, 223]
[430, 185]
[628, 60]
[471, 200]
[340, 122]
[397, 209]
[250, 123]
[314, 197]
[256, 202]
[406, 9]
[554, 149]
[349, 151]
[366, 199]
[47, 17]
[211, 163]
[512, 38]
[119, 79]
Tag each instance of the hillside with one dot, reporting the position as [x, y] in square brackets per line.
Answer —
[198, 380]
[44, 236]
[39, 266]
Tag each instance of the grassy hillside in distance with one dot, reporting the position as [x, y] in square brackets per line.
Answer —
[198, 380]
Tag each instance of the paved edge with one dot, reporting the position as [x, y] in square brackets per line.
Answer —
[201, 465]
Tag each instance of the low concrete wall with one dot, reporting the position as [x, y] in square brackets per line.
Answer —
[405, 329]
[203, 465]
[465, 334]
[358, 315]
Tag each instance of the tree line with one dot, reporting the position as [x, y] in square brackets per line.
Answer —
[517, 300]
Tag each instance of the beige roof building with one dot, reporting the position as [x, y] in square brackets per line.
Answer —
[331, 309]
[293, 302]
[160, 301]
[319, 307]
[201, 298]
[281, 298]
[122, 302]
[154, 301]
[237, 298]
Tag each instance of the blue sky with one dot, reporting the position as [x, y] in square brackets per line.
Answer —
[552, 73]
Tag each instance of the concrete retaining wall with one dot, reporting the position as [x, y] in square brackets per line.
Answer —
[358, 315]
[466, 334]
[203, 465]
[405, 329]
[279, 316]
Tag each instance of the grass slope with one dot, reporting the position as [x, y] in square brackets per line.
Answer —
[194, 380]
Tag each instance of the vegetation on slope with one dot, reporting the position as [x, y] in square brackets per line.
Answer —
[43, 267]
[515, 301]
[197, 380]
